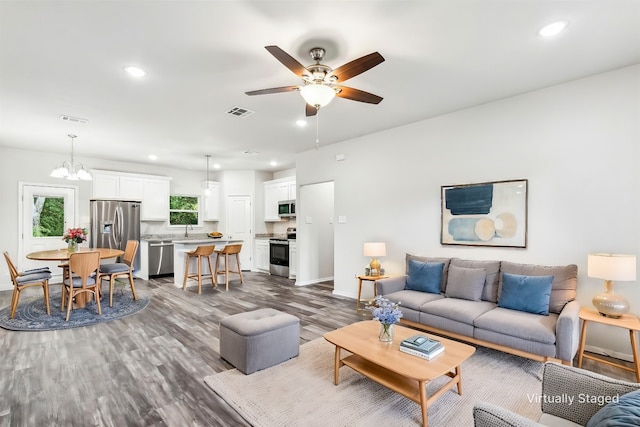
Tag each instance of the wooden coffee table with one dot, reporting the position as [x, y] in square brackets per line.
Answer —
[400, 372]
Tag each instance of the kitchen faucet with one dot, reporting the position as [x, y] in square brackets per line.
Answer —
[186, 228]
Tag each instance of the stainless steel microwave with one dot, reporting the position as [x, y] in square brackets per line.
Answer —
[287, 209]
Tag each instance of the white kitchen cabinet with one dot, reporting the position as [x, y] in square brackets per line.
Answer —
[276, 191]
[155, 202]
[131, 188]
[105, 185]
[262, 255]
[151, 190]
[293, 259]
[211, 201]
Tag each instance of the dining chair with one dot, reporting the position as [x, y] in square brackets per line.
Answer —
[82, 278]
[27, 279]
[199, 253]
[228, 250]
[124, 268]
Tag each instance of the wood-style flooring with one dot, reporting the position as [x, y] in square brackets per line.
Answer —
[148, 369]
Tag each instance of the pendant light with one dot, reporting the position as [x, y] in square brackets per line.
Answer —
[70, 170]
[207, 190]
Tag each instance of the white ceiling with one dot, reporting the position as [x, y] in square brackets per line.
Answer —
[67, 57]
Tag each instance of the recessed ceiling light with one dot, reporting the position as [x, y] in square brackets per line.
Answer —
[216, 166]
[301, 122]
[273, 163]
[153, 157]
[553, 28]
[135, 71]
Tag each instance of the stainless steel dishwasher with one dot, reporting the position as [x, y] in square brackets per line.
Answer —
[160, 257]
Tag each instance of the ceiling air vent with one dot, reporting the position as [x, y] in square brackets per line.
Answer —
[240, 112]
[66, 118]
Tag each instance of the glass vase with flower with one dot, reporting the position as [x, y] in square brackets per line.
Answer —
[73, 237]
[388, 314]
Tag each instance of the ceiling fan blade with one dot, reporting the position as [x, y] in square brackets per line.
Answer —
[287, 60]
[358, 95]
[273, 90]
[357, 66]
[310, 110]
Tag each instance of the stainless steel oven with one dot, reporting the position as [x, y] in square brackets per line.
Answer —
[279, 257]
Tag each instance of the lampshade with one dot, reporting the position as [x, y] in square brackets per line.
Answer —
[317, 95]
[70, 170]
[374, 249]
[612, 267]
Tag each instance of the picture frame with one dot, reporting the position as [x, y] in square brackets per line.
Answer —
[490, 213]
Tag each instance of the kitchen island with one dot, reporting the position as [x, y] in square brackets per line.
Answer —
[182, 246]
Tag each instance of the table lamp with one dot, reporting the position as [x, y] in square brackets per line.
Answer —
[611, 267]
[374, 250]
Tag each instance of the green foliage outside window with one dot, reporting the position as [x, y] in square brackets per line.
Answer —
[48, 216]
[183, 210]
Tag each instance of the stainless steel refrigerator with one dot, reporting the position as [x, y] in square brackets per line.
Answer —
[113, 223]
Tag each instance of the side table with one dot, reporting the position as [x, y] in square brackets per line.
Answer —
[373, 279]
[627, 321]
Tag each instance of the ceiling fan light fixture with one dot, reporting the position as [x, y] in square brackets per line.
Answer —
[317, 95]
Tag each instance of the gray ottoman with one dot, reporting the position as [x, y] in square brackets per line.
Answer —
[259, 339]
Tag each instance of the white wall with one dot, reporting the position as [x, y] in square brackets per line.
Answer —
[577, 144]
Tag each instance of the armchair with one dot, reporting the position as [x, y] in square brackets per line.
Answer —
[586, 391]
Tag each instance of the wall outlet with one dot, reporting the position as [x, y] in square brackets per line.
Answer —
[308, 220]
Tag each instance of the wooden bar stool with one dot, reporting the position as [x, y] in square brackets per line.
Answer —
[228, 250]
[200, 252]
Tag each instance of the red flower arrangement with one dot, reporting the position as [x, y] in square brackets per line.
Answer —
[77, 235]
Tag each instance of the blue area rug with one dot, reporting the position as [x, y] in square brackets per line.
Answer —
[31, 314]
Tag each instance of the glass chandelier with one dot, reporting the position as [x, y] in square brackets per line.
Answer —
[70, 170]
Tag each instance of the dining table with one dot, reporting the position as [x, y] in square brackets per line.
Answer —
[64, 254]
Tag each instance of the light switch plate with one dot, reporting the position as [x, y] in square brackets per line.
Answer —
[342, 219]
[309, 220]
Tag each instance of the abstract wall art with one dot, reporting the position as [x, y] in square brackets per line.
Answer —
[485, 214]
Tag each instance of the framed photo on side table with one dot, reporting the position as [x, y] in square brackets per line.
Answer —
[485, 214]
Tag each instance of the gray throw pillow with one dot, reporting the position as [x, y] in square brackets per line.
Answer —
[465, 283]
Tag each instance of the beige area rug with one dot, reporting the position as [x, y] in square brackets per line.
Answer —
[300, 392]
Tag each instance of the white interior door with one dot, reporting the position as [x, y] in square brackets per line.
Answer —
[46, 213]
[239, 227]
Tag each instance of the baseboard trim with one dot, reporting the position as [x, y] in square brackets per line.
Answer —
[313, 281]
[609, 353]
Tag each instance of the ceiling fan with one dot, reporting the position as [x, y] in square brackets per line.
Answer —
[321, 83]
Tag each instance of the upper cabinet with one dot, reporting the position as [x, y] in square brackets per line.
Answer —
[276, 191]
[151, 190]
[211, 201]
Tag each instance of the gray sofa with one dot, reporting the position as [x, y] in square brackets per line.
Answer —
[470, 304]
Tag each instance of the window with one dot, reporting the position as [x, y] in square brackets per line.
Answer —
[48, 216]
[184, 210]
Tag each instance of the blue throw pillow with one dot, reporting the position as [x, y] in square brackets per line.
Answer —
[622, 412]
[526, 293]
[425, 276]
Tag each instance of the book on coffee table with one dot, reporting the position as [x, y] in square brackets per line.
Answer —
[426, 356]
[421, 343]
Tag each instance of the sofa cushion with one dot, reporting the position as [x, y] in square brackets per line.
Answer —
[490, 290]
[412, 299]
[625, 412]
[460, 310]
[465, 283]
[424, 276]
[526, 293]
[563, 288]
[445, 270]
[528, 326]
